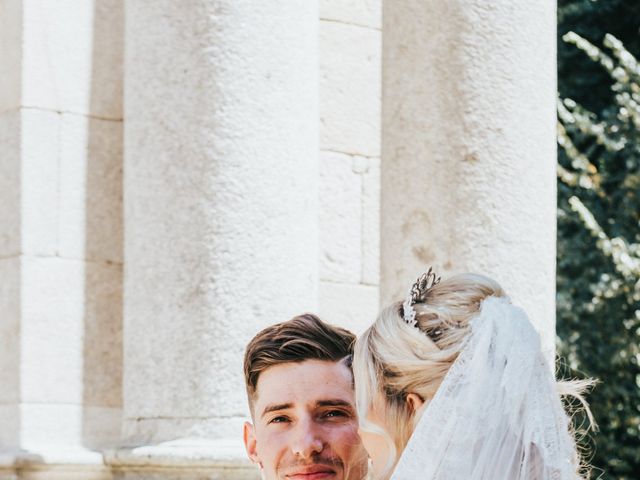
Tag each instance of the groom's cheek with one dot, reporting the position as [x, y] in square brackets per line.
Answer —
[261, 448]
[270, 449]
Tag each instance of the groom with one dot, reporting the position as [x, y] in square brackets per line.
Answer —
[300, 389]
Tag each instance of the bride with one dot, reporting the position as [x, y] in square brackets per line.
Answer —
[452, 385]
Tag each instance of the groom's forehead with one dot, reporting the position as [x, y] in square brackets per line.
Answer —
[309, 381]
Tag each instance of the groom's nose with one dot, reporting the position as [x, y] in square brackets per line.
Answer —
[307, 440]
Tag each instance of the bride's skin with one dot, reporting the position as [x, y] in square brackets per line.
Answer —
[375, 444]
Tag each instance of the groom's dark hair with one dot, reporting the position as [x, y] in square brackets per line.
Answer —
[304, 337]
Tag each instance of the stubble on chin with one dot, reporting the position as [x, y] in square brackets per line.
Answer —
[334, 463]
[358, 474]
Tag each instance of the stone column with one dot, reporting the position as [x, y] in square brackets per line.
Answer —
[220, 214]
[469, 152]
[60, 235]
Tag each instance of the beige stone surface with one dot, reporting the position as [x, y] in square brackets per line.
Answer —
[187, 473]
[366, 13]
[51, 329]
[38, 471]
[354, 307]
[73, 56]
[60, 317]
[11, 54]
[10, 132]
[39, 159]
[47, 435]
[349, 236]
[470, 113]
[191, 452]
[9, 330]
[102, 336]
[90, 218]
[221, 199]
[153, 430]
[53, 462]
[370, 170]
[340, 219]
[49, 424]
[101, 426]
[350, 86]
[10, 431]
[71, 317]
[61, 365]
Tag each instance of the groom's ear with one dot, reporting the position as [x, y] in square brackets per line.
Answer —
[250, 442]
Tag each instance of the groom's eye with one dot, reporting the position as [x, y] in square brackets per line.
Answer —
[279, 419]
[336, 414]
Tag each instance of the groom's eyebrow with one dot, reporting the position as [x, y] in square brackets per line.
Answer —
[337, 403]
[334, 403]
[275, 407]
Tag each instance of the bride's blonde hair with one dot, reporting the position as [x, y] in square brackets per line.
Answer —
[393, 358]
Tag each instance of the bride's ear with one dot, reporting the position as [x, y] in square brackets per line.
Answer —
[415, 402]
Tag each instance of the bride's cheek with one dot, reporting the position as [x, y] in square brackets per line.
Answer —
[377, 448]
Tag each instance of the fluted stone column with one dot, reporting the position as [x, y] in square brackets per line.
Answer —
[220, 215]
[60, 236]
[469, 152]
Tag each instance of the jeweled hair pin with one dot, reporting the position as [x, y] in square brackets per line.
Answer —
[418, 294]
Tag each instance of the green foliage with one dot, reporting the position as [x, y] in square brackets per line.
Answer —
[578, 77]
[599, 253]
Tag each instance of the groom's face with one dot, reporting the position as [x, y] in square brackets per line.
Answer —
[305, 425]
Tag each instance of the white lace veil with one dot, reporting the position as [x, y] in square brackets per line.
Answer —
[497, 415]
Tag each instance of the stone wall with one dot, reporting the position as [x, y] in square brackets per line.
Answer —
[350, 86]
[61, 247]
